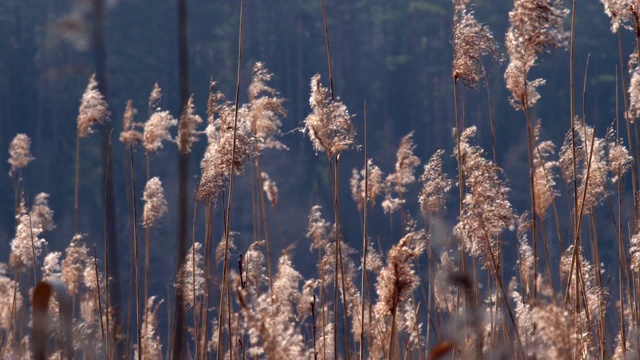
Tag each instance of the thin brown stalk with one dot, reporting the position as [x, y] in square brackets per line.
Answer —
[365, 240]
[265, 223]
[328, 45]
[146, 245]
[491, 121]
[575, 258]
[107, 177]
[135, 247]
[77, 186]
[629, 138]
[229, 202]
[95, 264]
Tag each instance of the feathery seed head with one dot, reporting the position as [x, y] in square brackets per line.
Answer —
[41, 214]
[435, 186]
[93, 109]
[150, 342]
[27, 245]
[187, 133]
[51, 266]
[398, 279]
[536, 26]
[270, 188]
[155, 205]
[374, 184]
[156, 130]
[317, 228]
[191, 276]
[619, 158]
[154, 99]
[486, 207]
[406, 163]
[129, 135]
[543, 177]
[74, 264]
[19, 152]
[329, 125]
[471, 42]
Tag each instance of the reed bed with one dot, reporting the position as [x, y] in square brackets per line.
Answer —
[466, 276]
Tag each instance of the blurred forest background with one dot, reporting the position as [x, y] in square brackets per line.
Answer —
[395, 54]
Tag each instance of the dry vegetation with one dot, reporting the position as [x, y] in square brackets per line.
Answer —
[430, 294]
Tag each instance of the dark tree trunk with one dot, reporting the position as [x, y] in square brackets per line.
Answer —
[183, 163]
[100, 54]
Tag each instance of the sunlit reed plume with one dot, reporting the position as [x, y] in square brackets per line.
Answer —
[634, 88]
[9, 289]
[219, 157]
[189, 282]
[329, 124]
[525, 254]
[75, 261]
[406, 163]
[270, 188]
[435, 186]
[93, 109]
[151, 345]
[318, 228]
[41, 213]
[154, 98]
[374, 182]
[622, 13]
[265, 108]
[618, 156]
[156, 130]
[398, 278]
[27, 243]
[254, 269]
[20, 153]
[594, 169]
[471, 42]
[487, 211]
[51, 269]
[129, 134]
[536, 26]
[543, 176]
[155, 205]
[187, 127]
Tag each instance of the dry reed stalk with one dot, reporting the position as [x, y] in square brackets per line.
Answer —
[227, 230]
[135, 247]
[102, 328]
[365, 240]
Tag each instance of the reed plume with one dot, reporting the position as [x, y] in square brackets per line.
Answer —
[74, 264]
[93, 109]
[129, 134]
[406, 163]
[487, 211]
[264, 110]
[151, 346]
[270, 189]
[20, 153]
[191, 276]
[543, 176]
[27, 245]
[471, 42]
[156, 130]
[435, 186]
[535, 27]
[155, 206]
[41, 214]
[329, 124]
[372, 189]
[187, 133]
